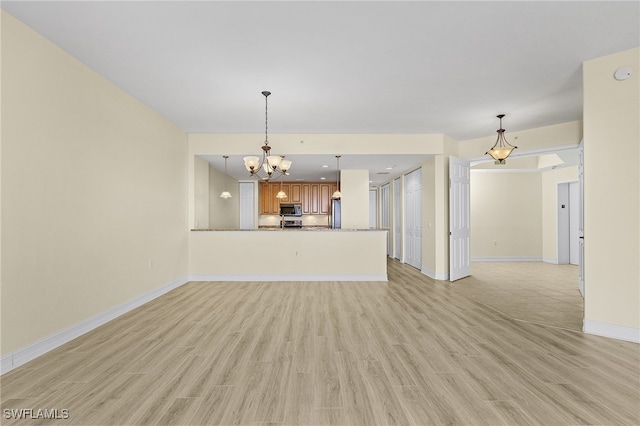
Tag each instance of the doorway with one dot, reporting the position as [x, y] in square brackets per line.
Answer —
[385, 213]
[397, 223]
[568, 223]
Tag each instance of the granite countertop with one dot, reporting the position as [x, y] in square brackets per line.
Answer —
[303, 229]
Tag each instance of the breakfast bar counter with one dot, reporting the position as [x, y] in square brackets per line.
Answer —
[289, 254]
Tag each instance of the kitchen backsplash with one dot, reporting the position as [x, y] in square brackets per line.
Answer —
[307, 220]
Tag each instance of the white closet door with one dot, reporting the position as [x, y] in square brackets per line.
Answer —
[459, 219]
[413, 218]
[247, 205]
[581, 219]
[385, 213]
[397, 222]
[373, 208]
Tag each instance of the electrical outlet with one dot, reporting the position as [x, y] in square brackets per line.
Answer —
[150, 264]
[495, 243]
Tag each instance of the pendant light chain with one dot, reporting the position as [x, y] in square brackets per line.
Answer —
[266, 118]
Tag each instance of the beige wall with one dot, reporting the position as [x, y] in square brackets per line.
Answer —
[201, 188]
[93, 188]
[612, 191]
[559, 135]
[299, 255]
[223, 212]
[506, 216]
[354, 186]
[550, 181]
[435, 217]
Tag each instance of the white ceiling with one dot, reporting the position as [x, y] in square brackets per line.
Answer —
[346, 66]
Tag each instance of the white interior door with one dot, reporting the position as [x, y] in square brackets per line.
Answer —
[459, 219]
[581, 220]
[397, 222]
[569, 223]
[373, 208]
[385, 213]
[247, 198]
[563, 224]
[574, 223]
[413, 218]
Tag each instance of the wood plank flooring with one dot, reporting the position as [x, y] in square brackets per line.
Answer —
[528, 291]
[413, 351]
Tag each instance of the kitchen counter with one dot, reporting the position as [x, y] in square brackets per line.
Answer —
[293, 254]
[274, 228]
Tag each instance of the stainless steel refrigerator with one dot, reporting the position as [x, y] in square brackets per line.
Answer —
[334, 214]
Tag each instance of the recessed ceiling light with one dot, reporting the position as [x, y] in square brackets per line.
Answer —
[389, 168]
[299, 179]
[324, 166]
[323, 178]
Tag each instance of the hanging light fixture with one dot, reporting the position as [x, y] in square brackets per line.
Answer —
[270, 164]
[337, 194]
[501, 149]
[225, 193]
[281, 194]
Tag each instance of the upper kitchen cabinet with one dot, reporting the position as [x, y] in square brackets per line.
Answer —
[269, 204]
[315, 198]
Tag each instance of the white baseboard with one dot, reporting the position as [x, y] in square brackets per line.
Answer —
[507, 259]
[252, 278]
[620, 332]
[21, 356]
[434, 275]
[552, 261]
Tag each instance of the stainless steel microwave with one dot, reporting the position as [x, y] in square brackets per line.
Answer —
[291, 209]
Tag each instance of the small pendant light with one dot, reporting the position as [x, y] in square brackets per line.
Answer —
[337, 194]
[225, 194]
[281, 194]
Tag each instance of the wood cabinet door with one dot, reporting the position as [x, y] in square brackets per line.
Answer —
[315, 198]
[325, 198]
[306, 198]
[269, 204]
[265, 206]
[295, 196]
[287, 190]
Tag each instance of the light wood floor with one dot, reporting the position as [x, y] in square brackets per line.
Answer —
[410, 351]
[528, 291]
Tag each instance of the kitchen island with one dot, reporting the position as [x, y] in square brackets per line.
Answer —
[290, 254]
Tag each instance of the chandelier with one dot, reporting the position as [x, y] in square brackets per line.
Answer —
[273, 166]
[501, 149]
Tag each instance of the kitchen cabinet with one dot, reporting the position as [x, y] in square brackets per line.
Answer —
[325, 198]
[315, 198]
[287, 190]
[306, 198]
[269, 204]
[295, 194]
